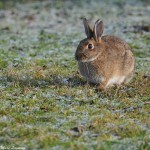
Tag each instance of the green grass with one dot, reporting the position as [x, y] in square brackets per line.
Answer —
[44, 102]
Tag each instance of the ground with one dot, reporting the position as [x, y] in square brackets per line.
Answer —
[44, 102]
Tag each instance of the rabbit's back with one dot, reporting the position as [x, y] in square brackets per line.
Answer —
[119, 54]
[116, 45]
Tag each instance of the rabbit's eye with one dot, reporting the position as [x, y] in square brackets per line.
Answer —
[90, 46]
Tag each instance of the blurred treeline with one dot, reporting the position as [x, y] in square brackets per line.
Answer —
[10, 3]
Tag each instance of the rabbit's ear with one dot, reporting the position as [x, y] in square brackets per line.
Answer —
[98, 29]
[88, 30]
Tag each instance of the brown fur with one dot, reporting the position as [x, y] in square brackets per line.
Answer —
[112, 61]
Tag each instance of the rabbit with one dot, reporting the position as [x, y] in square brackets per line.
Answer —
[104, 60]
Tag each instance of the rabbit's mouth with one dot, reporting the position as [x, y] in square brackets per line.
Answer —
[80, 57]
[83, 58]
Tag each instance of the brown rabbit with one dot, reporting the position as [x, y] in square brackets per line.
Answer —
[104, 60]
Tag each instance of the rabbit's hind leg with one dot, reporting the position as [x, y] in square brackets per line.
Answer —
[128, 78]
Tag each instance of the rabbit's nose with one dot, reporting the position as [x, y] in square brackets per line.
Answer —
[80, 56]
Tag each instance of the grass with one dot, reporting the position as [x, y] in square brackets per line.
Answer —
[44, 102]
